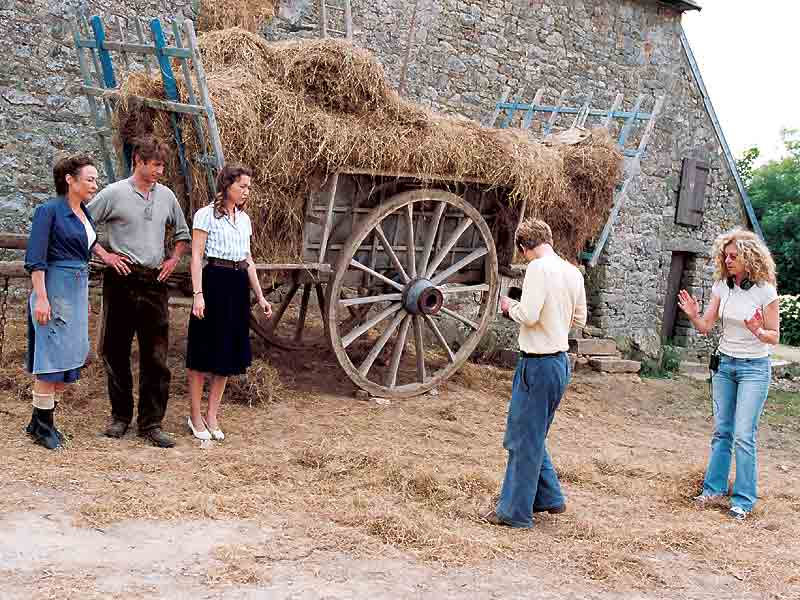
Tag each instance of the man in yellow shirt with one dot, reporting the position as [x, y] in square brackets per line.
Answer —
[553, 301]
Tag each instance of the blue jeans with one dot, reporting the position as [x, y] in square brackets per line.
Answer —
[531, 480]
[740, 389]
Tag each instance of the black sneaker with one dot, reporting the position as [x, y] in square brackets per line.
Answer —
[157, 438]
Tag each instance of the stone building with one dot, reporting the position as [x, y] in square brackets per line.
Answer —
[457, 57]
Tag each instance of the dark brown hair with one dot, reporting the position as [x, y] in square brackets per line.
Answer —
[69, 165]
[533, 232]
[149, 148]
[227, 176]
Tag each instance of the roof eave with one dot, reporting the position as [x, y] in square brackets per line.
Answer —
[683, 5]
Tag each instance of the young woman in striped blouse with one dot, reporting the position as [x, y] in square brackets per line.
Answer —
[219, 330]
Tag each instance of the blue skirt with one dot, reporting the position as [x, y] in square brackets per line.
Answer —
[58, 349]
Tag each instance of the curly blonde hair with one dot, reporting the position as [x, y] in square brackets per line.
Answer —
[758, 263]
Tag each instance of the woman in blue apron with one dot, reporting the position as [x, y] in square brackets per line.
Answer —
[57, 257]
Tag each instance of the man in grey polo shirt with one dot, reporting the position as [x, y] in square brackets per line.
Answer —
[136, 213]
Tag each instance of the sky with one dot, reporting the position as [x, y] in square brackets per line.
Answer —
[748, 56]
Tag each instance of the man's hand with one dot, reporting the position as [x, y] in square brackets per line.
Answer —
[505, 304]
[755, 323]
[265, 306]
[167, 267]
[118, 262]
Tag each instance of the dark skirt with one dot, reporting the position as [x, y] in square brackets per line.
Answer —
[220, 342]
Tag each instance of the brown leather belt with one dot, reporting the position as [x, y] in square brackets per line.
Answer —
[240, 265]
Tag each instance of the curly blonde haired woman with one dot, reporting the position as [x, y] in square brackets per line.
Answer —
[745, 298]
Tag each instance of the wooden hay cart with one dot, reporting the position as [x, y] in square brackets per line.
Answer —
[399, 274]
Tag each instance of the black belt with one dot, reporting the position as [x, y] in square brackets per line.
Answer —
[532, 355]
[241, 265]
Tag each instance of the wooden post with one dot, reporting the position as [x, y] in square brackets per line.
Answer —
[213, 130]
[171, 91]
[87, 79]
[201, 136]
[409, 42]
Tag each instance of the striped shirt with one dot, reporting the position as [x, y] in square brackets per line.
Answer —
[228, 238]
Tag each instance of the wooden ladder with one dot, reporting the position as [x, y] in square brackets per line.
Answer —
[336, 20]
[511, 113]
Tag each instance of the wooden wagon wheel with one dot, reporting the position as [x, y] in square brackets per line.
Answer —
[418, 293]
[289, 328]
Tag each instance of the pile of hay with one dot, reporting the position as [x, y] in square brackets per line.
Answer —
[250, 15]
[296, 111]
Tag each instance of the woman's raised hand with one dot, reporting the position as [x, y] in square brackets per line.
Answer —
[688, 304]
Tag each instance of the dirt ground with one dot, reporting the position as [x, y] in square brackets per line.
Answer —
[315, 494]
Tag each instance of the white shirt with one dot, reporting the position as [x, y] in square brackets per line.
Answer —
[228, 238]
[736, 305]
[90, 234]
[553, 301]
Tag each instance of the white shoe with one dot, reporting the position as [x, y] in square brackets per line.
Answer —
[215, 433]
[200, 435]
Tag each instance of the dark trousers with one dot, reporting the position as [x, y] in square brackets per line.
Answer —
[136, 304]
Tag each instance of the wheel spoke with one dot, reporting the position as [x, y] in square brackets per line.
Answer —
[361, 329]
[465, 224]
[301, 318]
[419, 349]
[374, 273]
[397, 352]
[390, 251]
[461, 318]
[411, 247]
[370, 299]
[465, 289]
[471, 257]
[376, 349]
[431, 237]
[435, 328]
[272, 325]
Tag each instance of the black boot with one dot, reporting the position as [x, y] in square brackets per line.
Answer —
[32, 425]
[44, 431]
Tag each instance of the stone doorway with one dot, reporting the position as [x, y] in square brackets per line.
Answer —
[675, 326]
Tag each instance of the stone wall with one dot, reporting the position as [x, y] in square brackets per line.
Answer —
[461, 56]
[42, 113]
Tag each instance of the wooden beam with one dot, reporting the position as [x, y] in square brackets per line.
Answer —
[13, 241]
[165, 105]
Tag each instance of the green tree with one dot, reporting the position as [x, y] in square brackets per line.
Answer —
[774, 189]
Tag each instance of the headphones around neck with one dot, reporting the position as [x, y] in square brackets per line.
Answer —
[745, 285]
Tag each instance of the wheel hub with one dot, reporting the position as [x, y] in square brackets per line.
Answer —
[422, 297]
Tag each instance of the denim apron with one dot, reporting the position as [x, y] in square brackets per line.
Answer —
[62, 343]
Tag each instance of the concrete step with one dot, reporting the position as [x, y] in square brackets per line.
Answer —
[593, 346]
[614, 365]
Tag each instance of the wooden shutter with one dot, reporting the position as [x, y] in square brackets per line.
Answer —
[691, 200]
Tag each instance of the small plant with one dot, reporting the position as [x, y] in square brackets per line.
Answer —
[665, 365]
[790, 319]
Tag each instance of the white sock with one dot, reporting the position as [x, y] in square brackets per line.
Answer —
[44, 401]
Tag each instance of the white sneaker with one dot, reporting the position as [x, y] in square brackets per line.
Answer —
[203, 434]
[737, 514]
